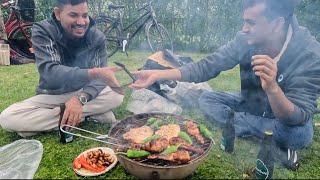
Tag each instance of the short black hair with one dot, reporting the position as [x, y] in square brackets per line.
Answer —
[274, 8]
[61, 3]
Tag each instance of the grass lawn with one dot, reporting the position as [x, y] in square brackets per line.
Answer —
[18, 83]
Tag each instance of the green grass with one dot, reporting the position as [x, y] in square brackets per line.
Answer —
[18, 83]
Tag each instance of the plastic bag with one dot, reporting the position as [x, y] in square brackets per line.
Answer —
[146, 101]
[185, 94]
[20, 159]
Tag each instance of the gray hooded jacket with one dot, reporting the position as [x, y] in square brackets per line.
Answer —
[63, 64]
[298, 74]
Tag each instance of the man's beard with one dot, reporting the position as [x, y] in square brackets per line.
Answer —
[259, 50]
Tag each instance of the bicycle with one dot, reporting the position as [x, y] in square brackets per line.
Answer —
[157, 35]
[18, 27]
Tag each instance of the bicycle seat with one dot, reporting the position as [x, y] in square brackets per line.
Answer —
[112, 6]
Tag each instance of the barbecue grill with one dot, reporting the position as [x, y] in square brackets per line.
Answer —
[150, 169]
[144, 168]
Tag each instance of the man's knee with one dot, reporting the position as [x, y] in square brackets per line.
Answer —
[118, 99]
[115, 100]
[7, 121]
[293, 137]
[107, 103]
[204, 97]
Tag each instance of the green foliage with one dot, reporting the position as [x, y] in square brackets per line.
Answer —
[18, 83]
[197, 25]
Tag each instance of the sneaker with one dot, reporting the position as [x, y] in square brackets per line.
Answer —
[289, 158]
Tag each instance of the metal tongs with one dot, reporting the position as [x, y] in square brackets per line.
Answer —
[99, 137]
[127, 71]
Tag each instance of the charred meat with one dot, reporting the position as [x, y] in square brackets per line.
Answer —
[193, 130]
[137, 146]
[154, 146]
[181, 156]
[157, 145]
[177, 141]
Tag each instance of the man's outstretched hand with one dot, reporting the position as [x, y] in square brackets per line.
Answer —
[145, 78]
[107, 74]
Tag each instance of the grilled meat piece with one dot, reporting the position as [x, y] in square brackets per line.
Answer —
[137, 146]
[169, 131]
[177, 141]
[181, 156]
[139, 134]
[157, 145]
[193, 130]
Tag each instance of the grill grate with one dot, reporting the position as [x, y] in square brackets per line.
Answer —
[125, 125]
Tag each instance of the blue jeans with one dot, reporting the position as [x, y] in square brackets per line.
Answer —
[215, 104]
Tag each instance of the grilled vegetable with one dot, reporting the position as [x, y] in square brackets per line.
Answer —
[154, 137]
[157, 124]
[185, 137]
[76, 164]
[85, 164]
[205, 131]
[151, 120]
[170, 149]
[170, 120]
[132, 154]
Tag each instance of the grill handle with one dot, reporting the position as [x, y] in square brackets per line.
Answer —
[155, 175]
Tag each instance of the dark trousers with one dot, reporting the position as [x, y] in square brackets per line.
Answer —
[214, 105]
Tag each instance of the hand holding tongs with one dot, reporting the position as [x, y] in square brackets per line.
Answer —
[99, 137]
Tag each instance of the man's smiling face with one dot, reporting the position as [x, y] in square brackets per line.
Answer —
[74, 19]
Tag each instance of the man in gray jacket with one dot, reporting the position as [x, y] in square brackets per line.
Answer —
[71, 59]
[280, 78]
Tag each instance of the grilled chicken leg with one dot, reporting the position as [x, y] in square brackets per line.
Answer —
[193, 130]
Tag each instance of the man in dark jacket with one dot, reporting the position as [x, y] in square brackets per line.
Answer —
[71, 58]
[280, 78]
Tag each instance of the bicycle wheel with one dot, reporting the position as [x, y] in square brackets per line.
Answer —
[158, 37]
[20, 42]
[111, 33]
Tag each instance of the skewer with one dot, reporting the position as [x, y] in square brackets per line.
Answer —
[98, 138]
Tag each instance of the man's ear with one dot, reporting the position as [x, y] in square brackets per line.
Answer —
[57, 13]
[279, 24]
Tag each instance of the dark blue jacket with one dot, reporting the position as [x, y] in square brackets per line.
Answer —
[62, 64]
[298, 74]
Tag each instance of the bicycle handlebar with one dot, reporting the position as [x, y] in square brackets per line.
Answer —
[112, 6]
[149, 3]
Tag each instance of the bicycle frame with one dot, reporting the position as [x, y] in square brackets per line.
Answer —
[14, 22]
[150, 14]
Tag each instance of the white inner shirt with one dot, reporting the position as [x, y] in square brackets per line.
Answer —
[285, 45]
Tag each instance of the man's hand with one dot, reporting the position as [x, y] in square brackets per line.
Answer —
[266, 69]
[108, 75]
[72, 114]
[145, 78]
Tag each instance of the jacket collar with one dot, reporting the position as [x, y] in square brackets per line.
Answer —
[300, 39]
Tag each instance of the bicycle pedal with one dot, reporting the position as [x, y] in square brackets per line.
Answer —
[124, 44]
